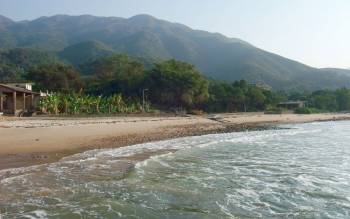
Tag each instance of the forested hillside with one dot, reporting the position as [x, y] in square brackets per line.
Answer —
[78, 39]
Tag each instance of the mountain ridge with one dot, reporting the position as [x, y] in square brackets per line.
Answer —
[216, 55]
[5, 22]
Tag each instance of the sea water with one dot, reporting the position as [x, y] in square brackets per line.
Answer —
[298, 171]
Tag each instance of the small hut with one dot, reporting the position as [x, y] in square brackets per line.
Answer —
[18, 98]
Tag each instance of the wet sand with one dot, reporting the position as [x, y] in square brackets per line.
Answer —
[31, 141]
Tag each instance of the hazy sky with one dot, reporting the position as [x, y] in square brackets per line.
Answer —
[315, 32]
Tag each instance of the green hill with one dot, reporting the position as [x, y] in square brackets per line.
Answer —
[15, 63]
[82, 38]
[86, 51]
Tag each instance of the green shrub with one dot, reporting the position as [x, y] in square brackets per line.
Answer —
[307, 110]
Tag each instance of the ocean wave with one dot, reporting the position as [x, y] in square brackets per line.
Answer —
[298, 172]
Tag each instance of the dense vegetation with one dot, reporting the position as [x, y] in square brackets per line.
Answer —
[240, 97]
[325, 100]
[80, 103]
[55, 77]
[97, 84]
[79, 39]
[15, 63]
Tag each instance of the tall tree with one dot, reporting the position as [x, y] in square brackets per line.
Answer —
[116, 74]
[343, 99]
[57, 77]
[324, 100]
[177, 84]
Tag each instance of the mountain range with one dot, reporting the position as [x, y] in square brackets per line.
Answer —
[78, 39]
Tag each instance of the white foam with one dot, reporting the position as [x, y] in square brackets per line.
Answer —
[38, 214]
[263, 172]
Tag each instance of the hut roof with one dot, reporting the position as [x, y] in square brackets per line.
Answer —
[10, 88]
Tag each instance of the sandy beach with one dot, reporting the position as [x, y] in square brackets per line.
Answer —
[30, 141]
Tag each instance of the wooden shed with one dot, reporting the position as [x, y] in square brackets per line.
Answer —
[16, 99]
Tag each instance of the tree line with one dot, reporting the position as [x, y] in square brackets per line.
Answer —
[324, 100]
[167, 85]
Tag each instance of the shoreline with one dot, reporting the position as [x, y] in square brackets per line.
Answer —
[32, 141]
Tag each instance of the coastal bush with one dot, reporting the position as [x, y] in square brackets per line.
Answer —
[307, 110]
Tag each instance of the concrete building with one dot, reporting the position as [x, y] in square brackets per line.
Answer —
[18, 99]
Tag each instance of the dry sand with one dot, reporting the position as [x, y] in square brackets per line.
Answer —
[29, 141]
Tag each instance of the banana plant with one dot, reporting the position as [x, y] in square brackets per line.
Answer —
[79, 103]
